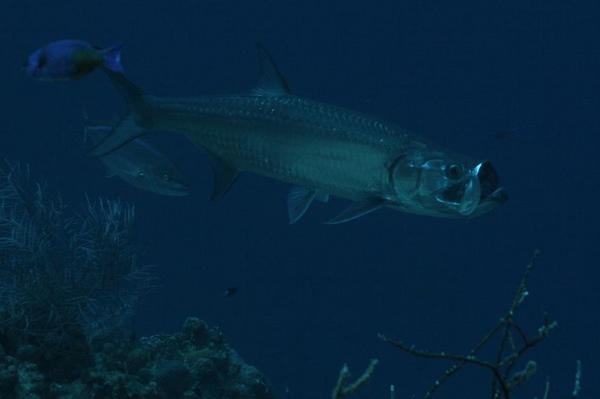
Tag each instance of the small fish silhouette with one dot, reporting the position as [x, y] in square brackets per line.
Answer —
[231, 291]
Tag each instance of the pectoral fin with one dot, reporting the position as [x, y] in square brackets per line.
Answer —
[299, 199]
[357, 210]
[224, 177]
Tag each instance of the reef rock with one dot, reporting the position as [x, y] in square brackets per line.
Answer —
[195, 363]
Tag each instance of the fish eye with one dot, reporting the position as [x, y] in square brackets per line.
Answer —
[454, 172]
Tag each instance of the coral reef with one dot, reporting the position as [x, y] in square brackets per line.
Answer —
[195, 363]
[66, 278]
[68, 283]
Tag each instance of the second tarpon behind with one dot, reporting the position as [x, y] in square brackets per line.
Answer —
[140, 164]
[323, 150]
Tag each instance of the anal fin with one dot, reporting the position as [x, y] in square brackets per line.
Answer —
[224, 177]
[299, 200]
[357, 210]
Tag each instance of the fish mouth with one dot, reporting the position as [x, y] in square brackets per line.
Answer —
[491, 193]
[171, 188]
[479, 193]
[179, 190]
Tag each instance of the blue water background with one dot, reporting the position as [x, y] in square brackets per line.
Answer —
[312, 297]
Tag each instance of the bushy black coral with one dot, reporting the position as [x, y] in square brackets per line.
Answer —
[65, 278]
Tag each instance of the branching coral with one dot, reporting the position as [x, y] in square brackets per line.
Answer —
[514, 344]
[64, 278]
[343, 388]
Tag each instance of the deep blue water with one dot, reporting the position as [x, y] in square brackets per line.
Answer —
[312, 296]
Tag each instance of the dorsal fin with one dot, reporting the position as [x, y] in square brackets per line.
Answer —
[270, 81]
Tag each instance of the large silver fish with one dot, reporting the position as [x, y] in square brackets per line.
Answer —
[140, 164]
[319, 148]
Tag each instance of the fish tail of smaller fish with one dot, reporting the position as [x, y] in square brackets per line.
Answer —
[94, 133]
[127, 129]
[112, 59]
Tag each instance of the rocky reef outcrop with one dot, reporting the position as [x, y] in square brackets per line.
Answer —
[195, 363]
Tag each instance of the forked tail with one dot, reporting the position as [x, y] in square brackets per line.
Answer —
[126, 129]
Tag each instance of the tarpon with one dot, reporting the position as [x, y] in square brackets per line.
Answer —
[321, 149]
[140, 164]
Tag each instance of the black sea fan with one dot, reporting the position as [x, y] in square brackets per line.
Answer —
[65, 278]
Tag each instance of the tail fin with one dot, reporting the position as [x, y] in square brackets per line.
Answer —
[127, 129]
[133, 95]
[95, 132]
[93, 135]
[112, 59]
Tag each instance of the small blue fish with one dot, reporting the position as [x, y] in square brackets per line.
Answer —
[71, 59]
